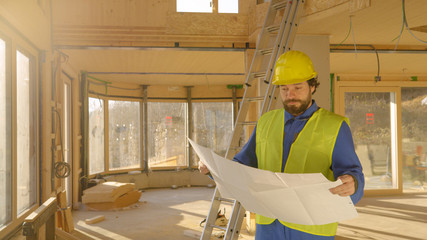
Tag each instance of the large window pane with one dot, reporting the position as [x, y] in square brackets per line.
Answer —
[369, 114]
[124, 135]
[414, 140]
[201, 6]
[212, 126]
[228, 6]
[96, 136]
[5, 160]
[166, 134]
[26, 150]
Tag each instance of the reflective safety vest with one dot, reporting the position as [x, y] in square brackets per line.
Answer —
[311, 152]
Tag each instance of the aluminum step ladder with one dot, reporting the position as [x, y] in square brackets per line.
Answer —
[276, 37]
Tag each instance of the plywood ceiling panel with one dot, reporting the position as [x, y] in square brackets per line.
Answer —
[378, 24]
[403, 65]
[160, 66]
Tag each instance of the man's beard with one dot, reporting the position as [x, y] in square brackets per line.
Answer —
[296, 110]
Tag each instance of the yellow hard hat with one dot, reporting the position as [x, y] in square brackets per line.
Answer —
[293, 67]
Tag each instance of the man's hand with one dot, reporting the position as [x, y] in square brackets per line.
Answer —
[202, 168]
[346, 188]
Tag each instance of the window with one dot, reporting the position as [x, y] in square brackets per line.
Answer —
[26, 135]
[96, 136]
[167, 127]
[124, 135]
[414, 142]
[167, 134]
[206, 6]
[201, 6]
[19, 142]
[212, 126]
[370, 115]
[228, 6]
[5, 140]
[388, 126]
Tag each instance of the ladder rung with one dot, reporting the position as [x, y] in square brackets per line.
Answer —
[280, 5]
[255, 99]
[216, 226]
[225, 199]
[259, 75]
[266, 51]
[252, 123]
[273, 28]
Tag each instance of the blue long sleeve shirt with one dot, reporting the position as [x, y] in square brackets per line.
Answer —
[344, 158]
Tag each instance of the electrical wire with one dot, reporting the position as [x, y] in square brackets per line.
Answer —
[405, 25]
[348, 34]
[350, 30]
[62, 168]
[354, 40]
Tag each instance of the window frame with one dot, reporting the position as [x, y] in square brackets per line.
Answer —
[32, 115]
[141, 160]
[144, 149]
[340, 87]
[185, 129]
[15, 42]
[107, 169]
[193, 154]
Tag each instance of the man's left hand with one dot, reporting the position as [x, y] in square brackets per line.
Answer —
[346, 188]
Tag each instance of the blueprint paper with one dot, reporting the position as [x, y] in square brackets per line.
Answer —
[296, 198]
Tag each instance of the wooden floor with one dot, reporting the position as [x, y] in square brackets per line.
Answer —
[176, 214]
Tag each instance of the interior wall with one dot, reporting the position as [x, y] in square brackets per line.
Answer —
[146, 23]
[31, 18]
[317, 48]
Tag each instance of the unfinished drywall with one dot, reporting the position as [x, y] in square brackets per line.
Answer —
[317, 48]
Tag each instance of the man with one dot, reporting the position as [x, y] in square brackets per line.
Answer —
[301, 138]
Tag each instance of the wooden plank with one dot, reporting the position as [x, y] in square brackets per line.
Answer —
[69, 224]
[318, 14]
[60, 219]
[250, 222]
[43, 215]
[62, 199]
[61, 234]
[315, 6]
[123, 201]
[41, 210]
[207, 24]
[95, 219]
[106, 192]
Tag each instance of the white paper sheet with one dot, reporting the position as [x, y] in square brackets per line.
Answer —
[296, 198]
